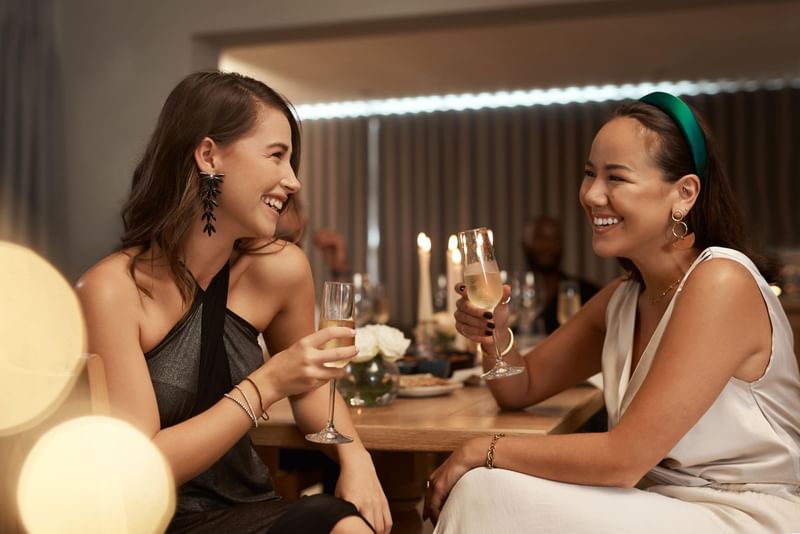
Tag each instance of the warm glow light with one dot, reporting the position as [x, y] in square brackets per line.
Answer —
[776, 289]
[42, 339]
[424, 242]
[491, 237]
[455, 256]
[530, 97]
[95, 474]
[452, 243]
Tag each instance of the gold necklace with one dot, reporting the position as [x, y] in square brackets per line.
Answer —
[666, 292]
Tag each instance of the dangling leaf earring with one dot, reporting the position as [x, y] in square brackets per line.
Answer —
[209, 189]
[680, 231]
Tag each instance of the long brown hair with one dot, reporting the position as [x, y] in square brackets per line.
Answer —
[164, 201]
[715, 218]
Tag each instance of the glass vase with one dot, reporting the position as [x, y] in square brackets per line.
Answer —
[371, 383]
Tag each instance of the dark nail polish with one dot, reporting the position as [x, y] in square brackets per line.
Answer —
[490, 325]
[488, 333]
[487, 315]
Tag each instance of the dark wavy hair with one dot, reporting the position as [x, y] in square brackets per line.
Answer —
[715, 218]
[164, 201]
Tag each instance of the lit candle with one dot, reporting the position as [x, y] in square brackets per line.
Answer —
[425, 301]
[453, 273]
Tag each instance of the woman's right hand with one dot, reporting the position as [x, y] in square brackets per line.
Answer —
[476, 323]
[300, 368]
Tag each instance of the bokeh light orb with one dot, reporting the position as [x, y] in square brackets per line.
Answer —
[95, 474]
[42, 338]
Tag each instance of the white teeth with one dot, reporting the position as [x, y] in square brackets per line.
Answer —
[605, 221]
[273, 202]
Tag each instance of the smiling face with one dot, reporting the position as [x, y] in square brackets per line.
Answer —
[258, 177]
[624, 193]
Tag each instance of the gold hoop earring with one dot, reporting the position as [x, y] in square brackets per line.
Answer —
[680, 231]
[679, 228]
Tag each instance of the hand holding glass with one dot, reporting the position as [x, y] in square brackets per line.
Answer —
[337, 309]
[484, 289]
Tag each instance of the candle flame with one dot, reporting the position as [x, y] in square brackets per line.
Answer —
[455, 256]
[424, 242]
[452, 243]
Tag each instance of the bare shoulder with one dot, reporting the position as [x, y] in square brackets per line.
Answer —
[281, 267]
[723, 278]
[108, 285]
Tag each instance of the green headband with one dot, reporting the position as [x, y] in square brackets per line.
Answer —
[681, 115]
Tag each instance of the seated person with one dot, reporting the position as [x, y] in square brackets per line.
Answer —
[176, 313]
[701, 383]
[542, 242]
[334, 253]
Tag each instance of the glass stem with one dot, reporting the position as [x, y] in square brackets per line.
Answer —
[332, 403]
[498, 359]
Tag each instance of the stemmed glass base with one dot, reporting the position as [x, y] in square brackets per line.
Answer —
[329, 436]
[501, 371]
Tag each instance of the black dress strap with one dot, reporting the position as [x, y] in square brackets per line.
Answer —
[214, 375]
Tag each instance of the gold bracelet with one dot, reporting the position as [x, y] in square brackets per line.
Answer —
[264, 414]
[510, 343]
[490, 452]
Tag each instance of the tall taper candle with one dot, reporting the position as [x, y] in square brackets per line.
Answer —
[454, 271]
[424, 301]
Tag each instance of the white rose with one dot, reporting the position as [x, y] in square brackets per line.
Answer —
[367, 345]
[391, 342]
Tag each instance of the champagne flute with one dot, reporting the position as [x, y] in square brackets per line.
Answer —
[484, 288]
[569, 300]
[337, 309]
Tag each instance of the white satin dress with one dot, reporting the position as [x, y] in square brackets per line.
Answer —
[736, 470]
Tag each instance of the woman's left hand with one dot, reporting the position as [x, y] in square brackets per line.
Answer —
[444, 477]
[358, 483]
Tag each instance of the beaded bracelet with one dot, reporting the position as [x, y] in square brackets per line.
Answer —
[247, 401]
[490, 452]
[243, 407]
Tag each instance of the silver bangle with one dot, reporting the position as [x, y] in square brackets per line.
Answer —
[252, 412]
[243, 407]
[510, 343]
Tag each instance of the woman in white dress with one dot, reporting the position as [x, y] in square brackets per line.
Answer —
[701, 382]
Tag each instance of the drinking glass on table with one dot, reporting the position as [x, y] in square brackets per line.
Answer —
[569, 300]
[337, 309]
[484, 289]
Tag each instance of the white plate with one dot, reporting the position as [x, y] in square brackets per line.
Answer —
[429, 391]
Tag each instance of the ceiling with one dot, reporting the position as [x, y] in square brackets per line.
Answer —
[745, 40]
[739, 40]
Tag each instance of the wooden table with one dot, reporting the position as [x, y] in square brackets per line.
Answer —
[438, 424]
[407, 439]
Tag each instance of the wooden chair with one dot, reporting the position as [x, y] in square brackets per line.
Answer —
[89, 396]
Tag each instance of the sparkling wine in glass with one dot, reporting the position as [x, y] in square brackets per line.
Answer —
[569, 300]
[484, 288]
[337, 309]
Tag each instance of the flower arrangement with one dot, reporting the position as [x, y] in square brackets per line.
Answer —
[380, 340]
[373, 378]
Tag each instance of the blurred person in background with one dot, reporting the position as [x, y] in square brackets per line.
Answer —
[542, 241]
